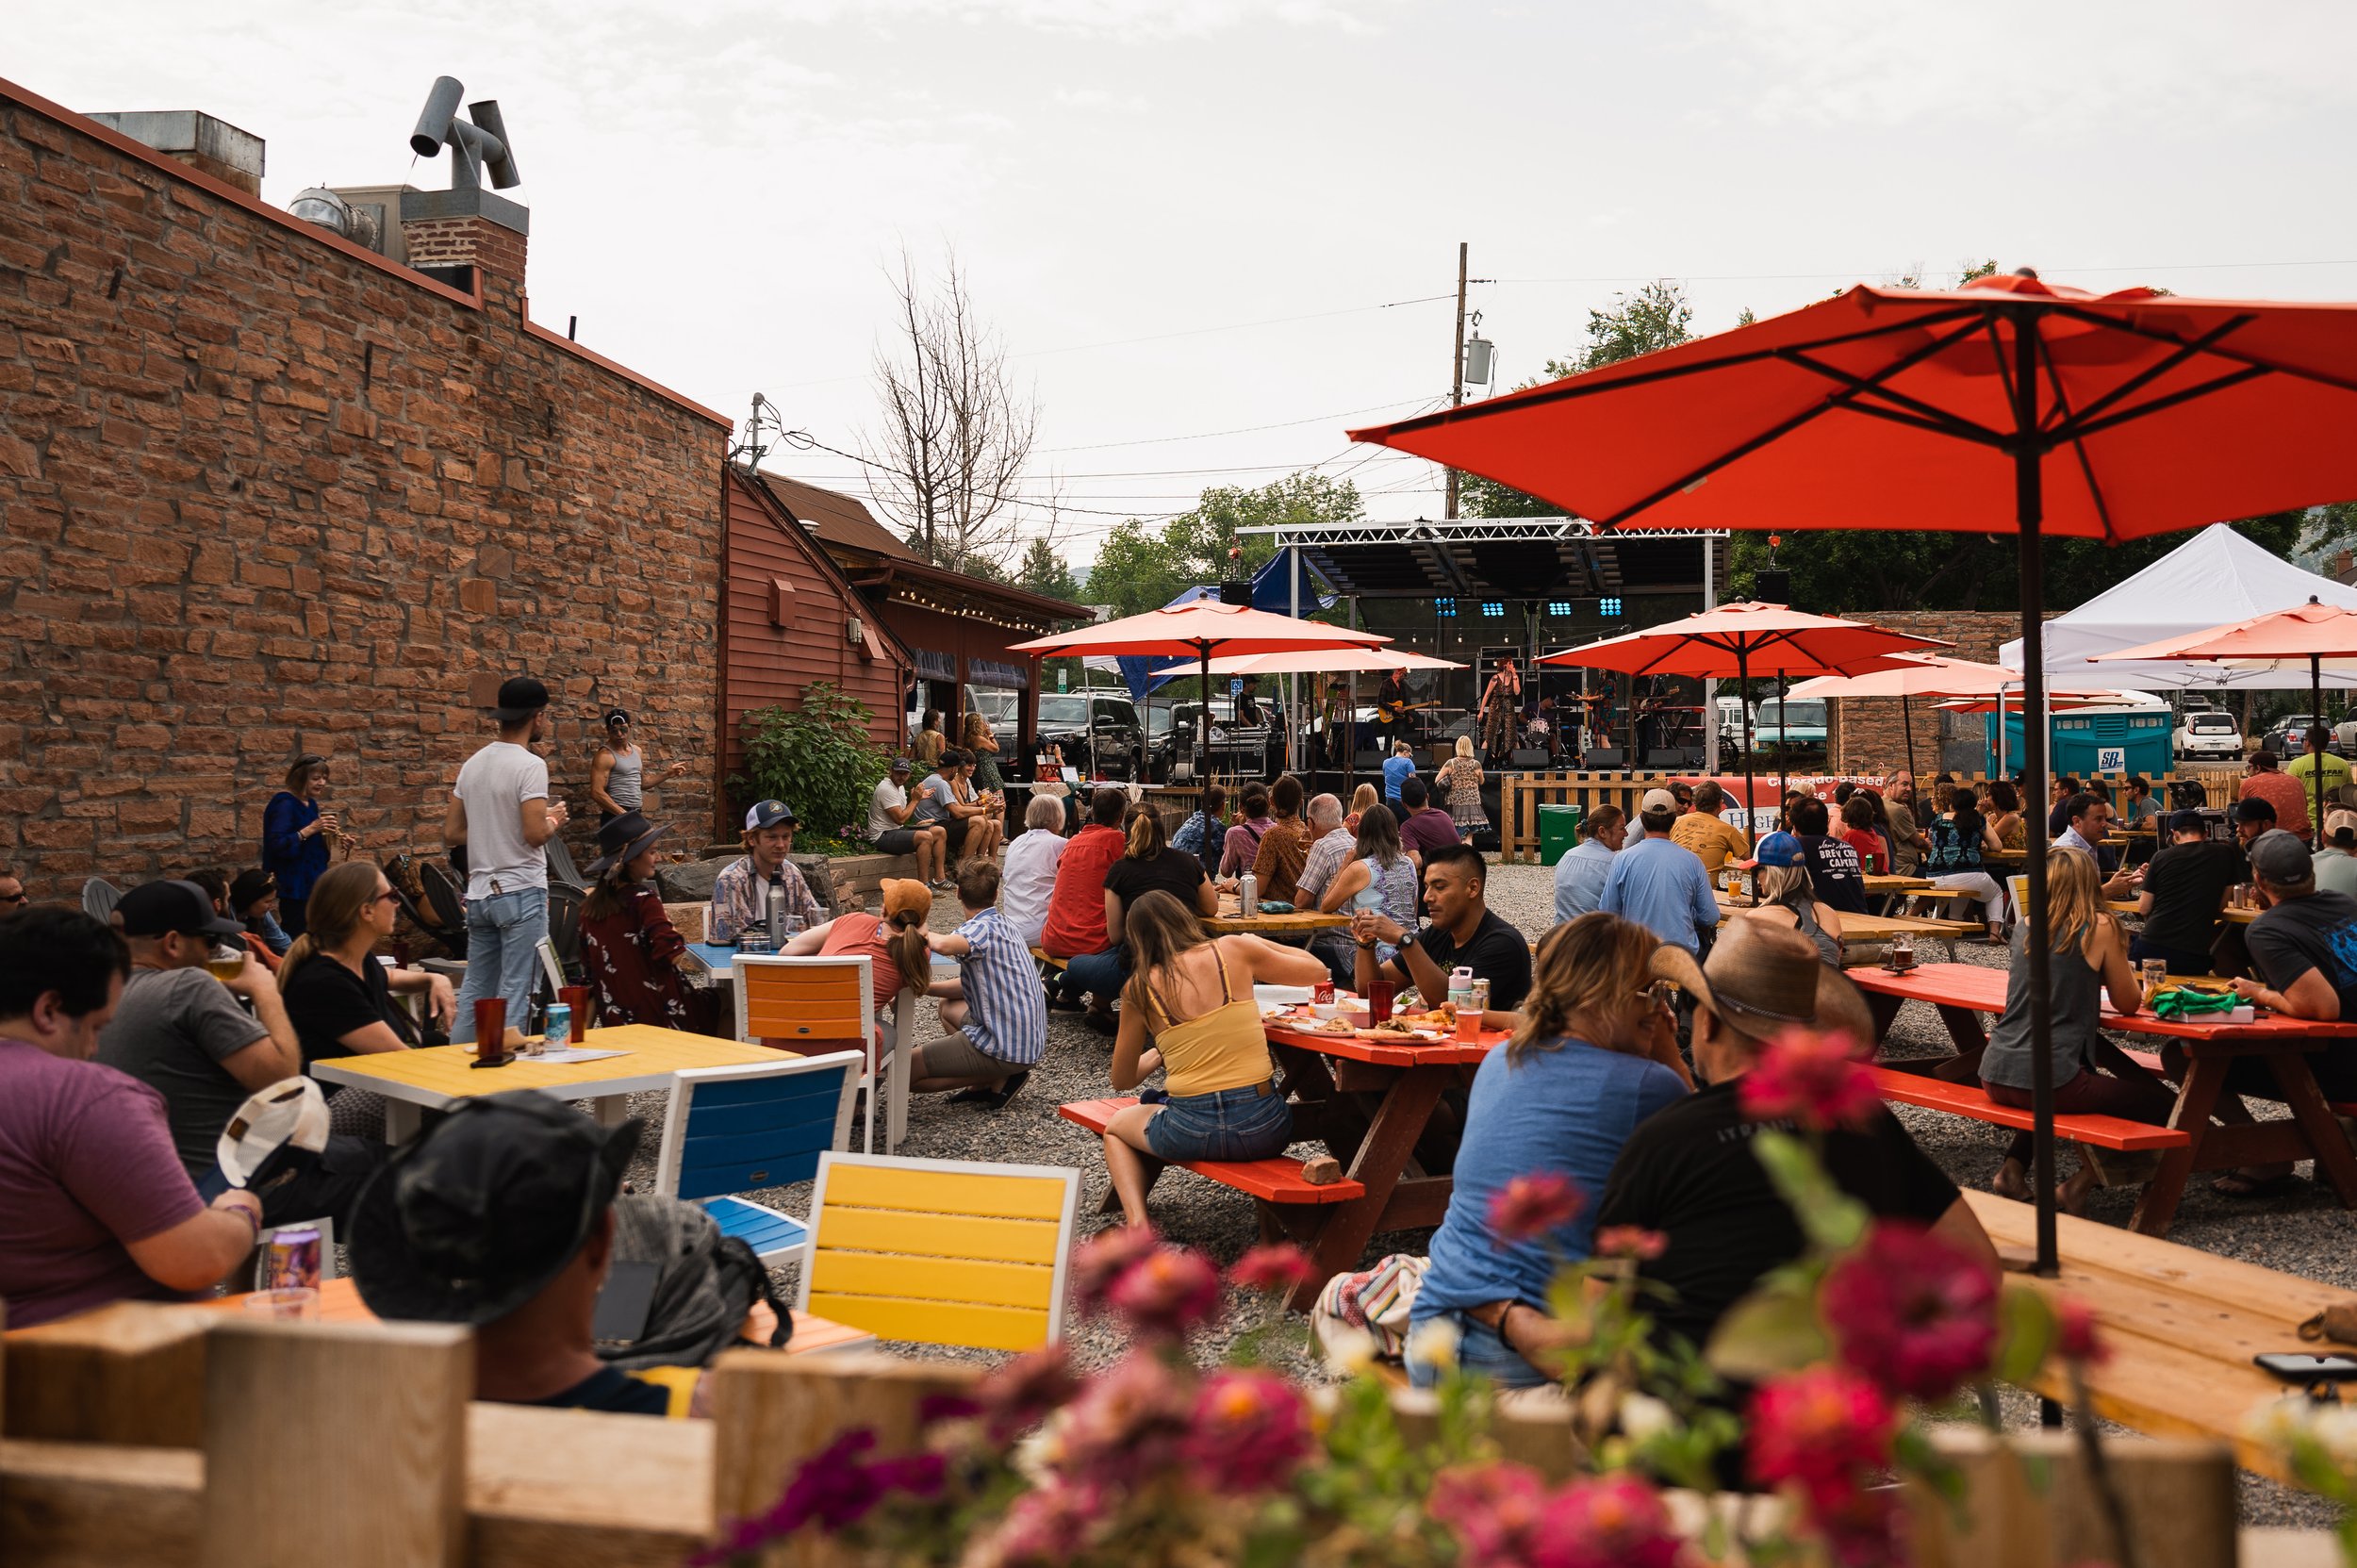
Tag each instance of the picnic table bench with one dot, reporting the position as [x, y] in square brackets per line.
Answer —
[1962, 992]
[2182, 1326]
[1874, 928]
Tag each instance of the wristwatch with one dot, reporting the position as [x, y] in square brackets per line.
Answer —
[1407, 940]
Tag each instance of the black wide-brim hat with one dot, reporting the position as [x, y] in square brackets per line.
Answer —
[621, 840]
[470, 1220]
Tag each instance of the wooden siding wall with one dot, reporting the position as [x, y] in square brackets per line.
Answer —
[767, 664]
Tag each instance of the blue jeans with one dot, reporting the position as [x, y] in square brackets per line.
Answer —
[1102, 973]
[1478, 1350]
[1227, 1124]
[503, 934]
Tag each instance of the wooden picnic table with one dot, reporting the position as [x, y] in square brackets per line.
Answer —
[2182, 1326]
[1231, 922]
[1369, 1102]
[1873, 928]
[415, 1081]
[1962, 992]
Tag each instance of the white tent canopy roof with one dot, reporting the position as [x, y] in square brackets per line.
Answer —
[2215, 578]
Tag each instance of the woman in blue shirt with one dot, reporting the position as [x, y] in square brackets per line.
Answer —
[295, 835]
[1595, 1053]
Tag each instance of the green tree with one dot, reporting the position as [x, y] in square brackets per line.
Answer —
[1140, 568]
[1137, 569]
[1043, 571]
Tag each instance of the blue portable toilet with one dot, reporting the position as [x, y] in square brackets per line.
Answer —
[2130, 738]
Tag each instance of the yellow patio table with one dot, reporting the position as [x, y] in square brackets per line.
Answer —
[415, 1081]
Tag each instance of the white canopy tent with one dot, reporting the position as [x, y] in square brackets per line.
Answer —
[2215, 577]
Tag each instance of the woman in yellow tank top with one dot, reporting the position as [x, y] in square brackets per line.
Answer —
[1192, 994]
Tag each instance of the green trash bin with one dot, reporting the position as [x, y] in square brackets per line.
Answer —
[1558, 830]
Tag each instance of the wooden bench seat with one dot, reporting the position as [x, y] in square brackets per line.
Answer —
[1970, 1099]
[1276, 1180]
[1042, 957]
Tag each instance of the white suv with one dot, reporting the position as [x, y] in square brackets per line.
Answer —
[2208, 734]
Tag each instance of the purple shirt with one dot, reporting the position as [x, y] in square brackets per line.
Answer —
[86, 1166]
[1428, 830]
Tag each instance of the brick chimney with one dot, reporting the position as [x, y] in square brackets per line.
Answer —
[457, 235]
[197, 139]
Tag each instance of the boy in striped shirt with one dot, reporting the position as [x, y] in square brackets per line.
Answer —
[996, 1012]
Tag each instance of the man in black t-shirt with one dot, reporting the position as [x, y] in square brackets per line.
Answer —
[2184, 887]
[2304, 945]
[1689, 1170]
[1462, 930]
[1833, 864]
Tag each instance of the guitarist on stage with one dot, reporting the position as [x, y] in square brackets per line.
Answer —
[1391, 706]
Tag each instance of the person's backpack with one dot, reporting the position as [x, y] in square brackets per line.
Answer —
[706, 1284]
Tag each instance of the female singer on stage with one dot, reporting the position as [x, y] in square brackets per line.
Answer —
[1501, 710]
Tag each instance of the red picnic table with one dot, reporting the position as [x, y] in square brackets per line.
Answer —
[1371, 1103]
[1962, 992]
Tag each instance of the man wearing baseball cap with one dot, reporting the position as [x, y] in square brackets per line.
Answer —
[1660, 883]
[181, 1032]
[740, 894]
[499, 809]
[502, 1216]
[2336, 861]
[889, 827]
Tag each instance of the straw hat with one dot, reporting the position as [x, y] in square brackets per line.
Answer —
[1763, 978]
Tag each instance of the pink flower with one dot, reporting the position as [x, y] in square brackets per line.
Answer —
[1911, 1312]
[1859, 1527]
[1491, 1509]
[1252, 1429]
[1820, 1430]
[1530, 1206]
[2075, 1334]
[1053, 1525]
[1022, 1393]
[1630, 1241]
[1277, 1269]
[1165, 1293]
[1103, 1258]
[1611, 1522]
[1817, 1080]
[1126, 1422]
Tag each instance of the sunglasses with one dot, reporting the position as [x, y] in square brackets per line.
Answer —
[15, 899]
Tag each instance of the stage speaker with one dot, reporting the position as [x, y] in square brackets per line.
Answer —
[1235, 594]
[1530, 756]
[1369, 761]
[1602, 756]
[1773, 586]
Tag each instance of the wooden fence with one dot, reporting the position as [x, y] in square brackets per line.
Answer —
[183, 1437]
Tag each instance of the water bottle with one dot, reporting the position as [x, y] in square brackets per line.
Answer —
[777, 913]
[1247, 895]
[1460, 988]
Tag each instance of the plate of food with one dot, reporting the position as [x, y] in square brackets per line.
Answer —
[1401, 1030]
[1341, 1026]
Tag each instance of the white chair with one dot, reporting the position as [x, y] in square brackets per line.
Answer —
[741, 1129]
[815, 1003]
[897, 1030]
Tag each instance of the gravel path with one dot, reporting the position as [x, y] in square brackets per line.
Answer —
[2306, 1233]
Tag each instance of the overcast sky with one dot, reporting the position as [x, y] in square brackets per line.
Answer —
[1190, 217]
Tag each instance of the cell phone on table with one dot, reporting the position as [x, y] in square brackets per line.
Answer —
[623, 1303]
[2296, 1366]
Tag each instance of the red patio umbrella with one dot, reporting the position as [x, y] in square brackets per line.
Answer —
[1727, 639]
[2008, 402]
[1201, 630]
[2314, 634]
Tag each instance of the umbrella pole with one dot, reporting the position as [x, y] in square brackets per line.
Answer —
[1742, 696]
[2316, 721]
[2030, 510]
[1203, 719]
[1784, 752]
[1906, 722]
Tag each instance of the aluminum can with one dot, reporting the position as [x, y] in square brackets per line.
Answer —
[291, 1259]
[556, 1031]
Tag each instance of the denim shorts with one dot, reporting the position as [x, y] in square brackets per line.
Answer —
[1233, 1124]
[1480, 1350]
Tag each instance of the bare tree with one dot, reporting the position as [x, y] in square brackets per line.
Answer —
[956, 432]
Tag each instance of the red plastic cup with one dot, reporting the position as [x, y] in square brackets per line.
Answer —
[577, 997]
[491, 1028]
[1379, 1002]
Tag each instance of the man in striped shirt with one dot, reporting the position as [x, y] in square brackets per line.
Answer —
[996, 1012]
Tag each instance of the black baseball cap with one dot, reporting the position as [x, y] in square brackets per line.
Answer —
[170, 908]
[2252, 808]
[521, 697]
[472, 1219]
[2189, 821]
[2280, 860]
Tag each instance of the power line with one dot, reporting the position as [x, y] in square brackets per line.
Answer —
[1243, 430]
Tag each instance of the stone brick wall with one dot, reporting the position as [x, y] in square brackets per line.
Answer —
[260, 493]
[1868, 735]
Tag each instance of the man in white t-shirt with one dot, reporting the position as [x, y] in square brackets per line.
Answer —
[891, 831]
[1030, 871]
[500, 809]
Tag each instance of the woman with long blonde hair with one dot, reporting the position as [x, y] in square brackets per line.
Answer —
[1593, 1054]
[976, 735]
[2089, 959]
[1192, 994]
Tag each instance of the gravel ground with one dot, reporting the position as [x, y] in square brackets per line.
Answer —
[2304, 1233]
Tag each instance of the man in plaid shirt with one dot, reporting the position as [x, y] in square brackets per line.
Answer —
[740, 894]
[996, 1012]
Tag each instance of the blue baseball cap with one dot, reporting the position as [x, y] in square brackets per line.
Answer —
[768, 814]
[1780, 848]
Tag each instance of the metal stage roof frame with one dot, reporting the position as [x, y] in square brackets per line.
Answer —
[1503, 557]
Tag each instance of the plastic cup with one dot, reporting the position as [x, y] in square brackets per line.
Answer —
[1468, 1026]
[491, 1028]
[577, 997]
[287, 1304]
[1379, 1002]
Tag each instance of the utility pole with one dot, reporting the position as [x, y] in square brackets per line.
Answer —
[1456, 367]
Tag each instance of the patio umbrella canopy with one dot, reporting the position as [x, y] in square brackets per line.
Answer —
[1728, 640]
[1203, 631]
[1923, 675]
[2008, 402]
[2315, 634]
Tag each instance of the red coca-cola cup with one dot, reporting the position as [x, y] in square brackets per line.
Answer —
[577, 999]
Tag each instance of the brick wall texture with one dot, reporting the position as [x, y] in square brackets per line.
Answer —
[1866, 735]
[259, 497]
